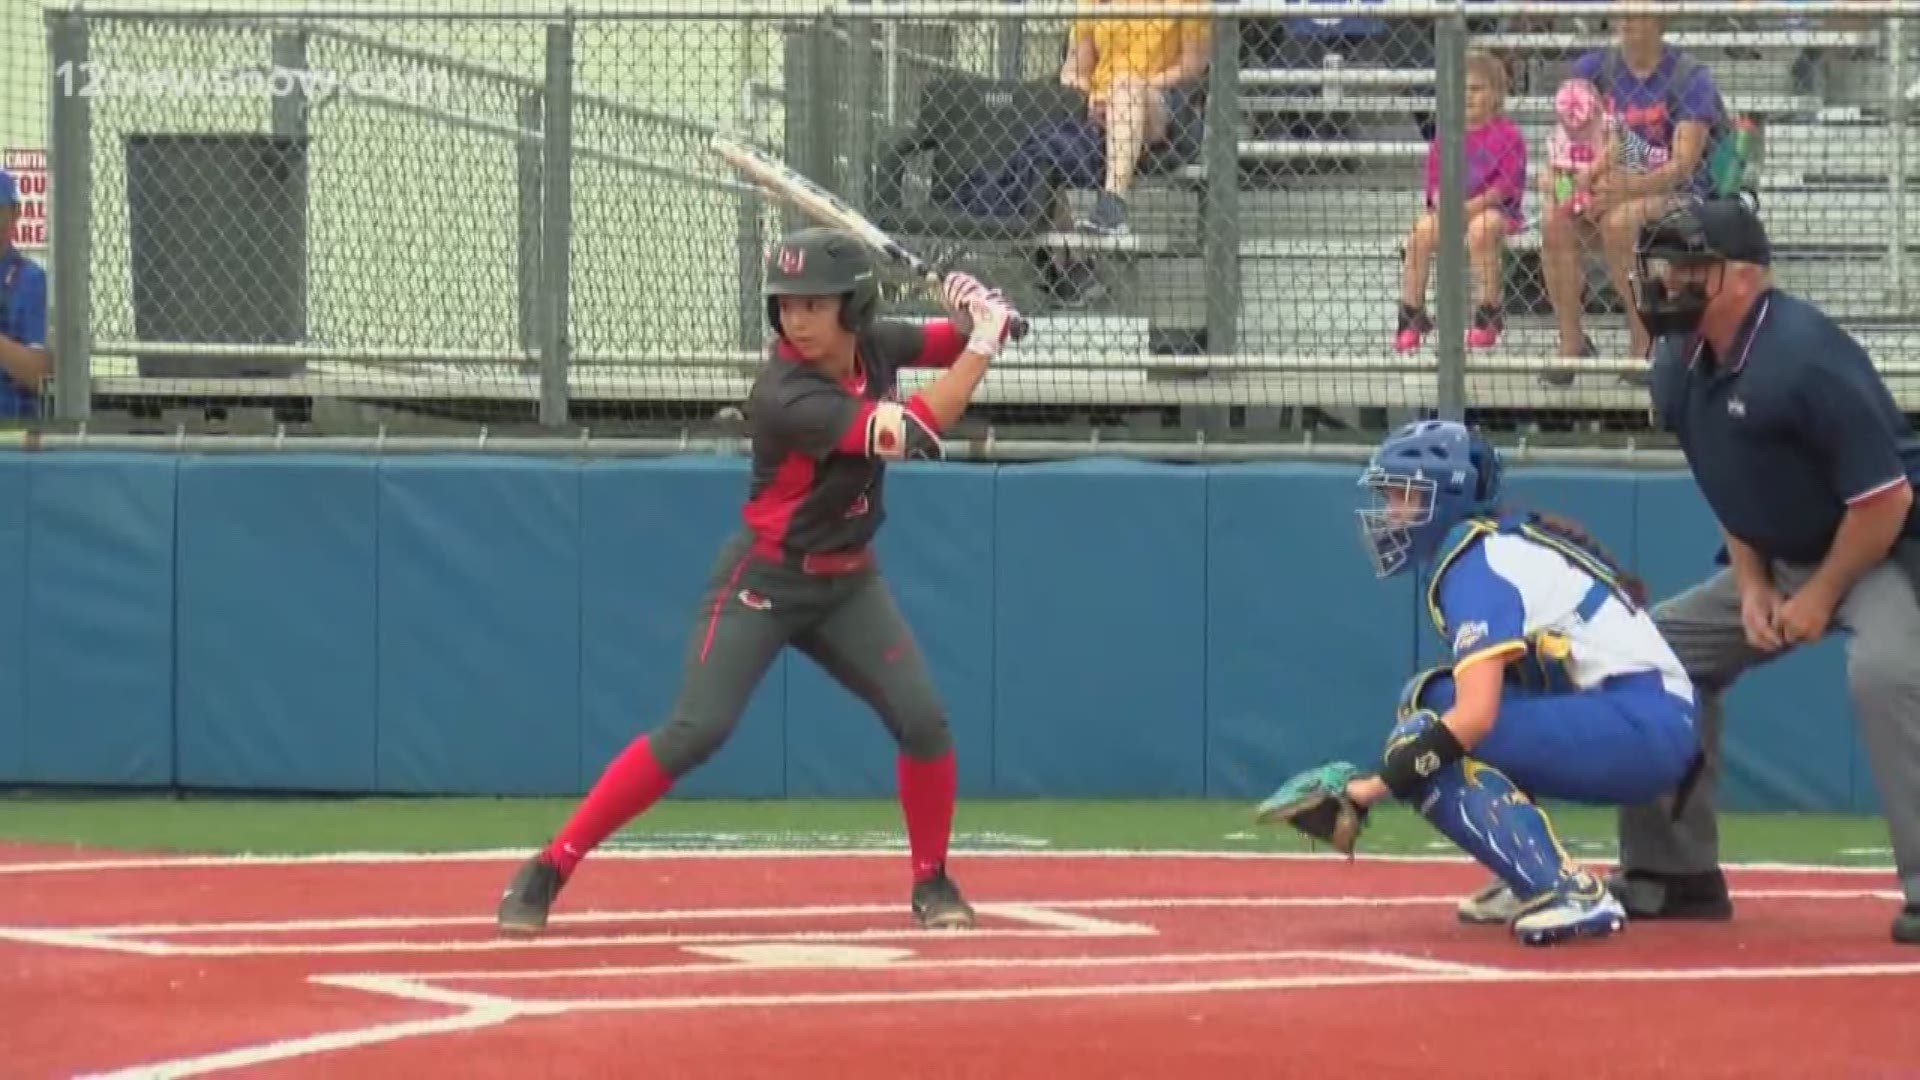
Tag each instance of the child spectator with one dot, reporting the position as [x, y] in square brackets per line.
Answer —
[1495, 185]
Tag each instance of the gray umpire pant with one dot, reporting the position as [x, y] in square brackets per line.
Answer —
[1882, 615]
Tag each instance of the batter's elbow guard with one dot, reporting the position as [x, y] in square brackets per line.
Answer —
[896, 432]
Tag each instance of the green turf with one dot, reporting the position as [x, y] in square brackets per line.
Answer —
[290, 826]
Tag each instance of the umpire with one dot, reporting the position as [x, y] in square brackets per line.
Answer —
[1810, 468]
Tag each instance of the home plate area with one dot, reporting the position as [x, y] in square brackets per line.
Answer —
[808, 965]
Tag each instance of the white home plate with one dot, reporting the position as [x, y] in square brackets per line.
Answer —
[802, 954]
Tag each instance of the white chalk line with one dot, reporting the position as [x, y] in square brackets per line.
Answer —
[1035, 912]
[1396, 961]
[1437, 975]
[477, 1011]
[514, 855]
[1050, 918]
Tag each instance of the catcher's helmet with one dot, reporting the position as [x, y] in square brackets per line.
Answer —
[1692, 231]
[823, 262]
[1443, 474]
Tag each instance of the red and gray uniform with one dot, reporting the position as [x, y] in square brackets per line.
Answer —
[802, 571]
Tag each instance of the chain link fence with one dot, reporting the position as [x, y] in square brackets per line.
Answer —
[1260, 223]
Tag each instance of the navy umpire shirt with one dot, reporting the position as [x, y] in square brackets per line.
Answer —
[1788, 430]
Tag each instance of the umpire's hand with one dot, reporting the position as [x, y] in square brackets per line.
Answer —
[1760, 615]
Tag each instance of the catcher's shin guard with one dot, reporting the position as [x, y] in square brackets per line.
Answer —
[1477, 807]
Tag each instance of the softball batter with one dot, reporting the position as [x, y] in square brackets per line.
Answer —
[824, 417]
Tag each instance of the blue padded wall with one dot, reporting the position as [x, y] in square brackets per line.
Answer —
[479, 626]
[469, 624]
[278, 623]
[1305, 647]
[1100, 629]
[13, 614]
[98, 657]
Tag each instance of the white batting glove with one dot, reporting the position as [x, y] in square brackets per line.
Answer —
[959, 292]
[990, 319]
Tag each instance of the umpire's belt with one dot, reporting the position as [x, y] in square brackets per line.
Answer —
[825, 563]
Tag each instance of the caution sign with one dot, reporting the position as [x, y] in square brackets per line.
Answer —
[29, 169]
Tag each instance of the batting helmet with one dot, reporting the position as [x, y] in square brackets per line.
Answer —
[1441, 473]
[823, 262]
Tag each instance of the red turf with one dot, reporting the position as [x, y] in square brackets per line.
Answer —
[1219, 989]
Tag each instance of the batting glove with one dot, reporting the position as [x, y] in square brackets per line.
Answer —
[990, 319]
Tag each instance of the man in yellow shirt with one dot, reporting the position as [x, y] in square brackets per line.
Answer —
[1142, 81]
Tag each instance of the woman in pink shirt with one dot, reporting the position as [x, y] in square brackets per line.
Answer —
[1496, 182]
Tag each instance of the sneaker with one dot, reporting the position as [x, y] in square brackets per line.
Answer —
[1588, 350]
[1580, 907]
[1109, 217]
[1700, 897]
[938, 905]
[1487, 324]
[1493, 904]
[1906, 926]
[1414, 324]
[523, 907]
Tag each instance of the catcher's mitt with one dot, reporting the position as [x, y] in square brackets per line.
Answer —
[1315, 802]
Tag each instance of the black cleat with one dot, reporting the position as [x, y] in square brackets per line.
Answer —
[1700, 897]
[1906, 926]
[523, 907]
[938, 905]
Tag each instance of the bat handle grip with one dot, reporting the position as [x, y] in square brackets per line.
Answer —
[1017, 330]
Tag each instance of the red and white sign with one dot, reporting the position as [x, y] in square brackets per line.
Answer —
[29, 169]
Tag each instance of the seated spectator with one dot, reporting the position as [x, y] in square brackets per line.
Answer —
[1670, 100]
[1495, 184]
[1587, 143]
[1143, 81]
[24, 364]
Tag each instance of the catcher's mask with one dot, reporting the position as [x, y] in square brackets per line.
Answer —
[1424, 479]
[1693, 232]
[823, 262]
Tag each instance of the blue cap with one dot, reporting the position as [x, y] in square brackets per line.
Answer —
[9, 189]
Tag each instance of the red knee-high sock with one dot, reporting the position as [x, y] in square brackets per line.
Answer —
[630, 784]
[926, 798]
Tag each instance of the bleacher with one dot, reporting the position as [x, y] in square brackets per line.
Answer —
[1319, 246]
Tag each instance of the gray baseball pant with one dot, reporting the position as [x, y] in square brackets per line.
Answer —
[847, 623]
[1882, 615]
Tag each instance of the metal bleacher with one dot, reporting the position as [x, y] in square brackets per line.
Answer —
[1319, 249]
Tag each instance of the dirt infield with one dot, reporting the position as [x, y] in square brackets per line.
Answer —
[805, 965]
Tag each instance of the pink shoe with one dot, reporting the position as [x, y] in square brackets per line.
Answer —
[1415, 324]
[1487, 324]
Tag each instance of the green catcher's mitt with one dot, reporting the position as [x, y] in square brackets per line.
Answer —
[1315, 802]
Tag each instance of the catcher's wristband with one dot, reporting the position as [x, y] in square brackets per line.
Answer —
[1413, 760]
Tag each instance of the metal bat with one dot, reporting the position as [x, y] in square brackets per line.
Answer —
[829, 209]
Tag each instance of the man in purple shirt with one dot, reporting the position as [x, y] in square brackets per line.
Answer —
[1669, 99]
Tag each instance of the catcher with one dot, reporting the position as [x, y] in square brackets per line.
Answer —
[1560, 687]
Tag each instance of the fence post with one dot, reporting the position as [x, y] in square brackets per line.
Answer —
[859, 105]
[70, 165]
[557, 225]
[1220, 192]
[290, 110]
[1450, 258]
[528, 182]
[1895, 43]
[749, 238]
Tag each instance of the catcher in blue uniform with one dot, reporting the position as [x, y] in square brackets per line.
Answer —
[1560, 687]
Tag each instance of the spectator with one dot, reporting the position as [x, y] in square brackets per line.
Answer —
[24, 364]
[1142, 78]
[1670, 100]
[1495, 185]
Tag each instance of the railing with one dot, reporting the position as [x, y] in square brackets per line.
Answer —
[425, 225]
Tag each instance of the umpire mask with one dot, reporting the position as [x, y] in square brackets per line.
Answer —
[1692, 233]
